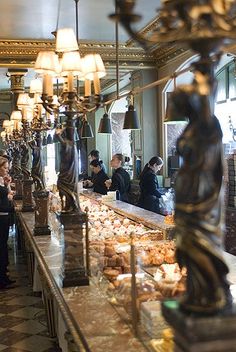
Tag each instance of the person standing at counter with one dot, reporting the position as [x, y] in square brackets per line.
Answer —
[120, 180]
[149, 197]
[99, 177]
[6, 207]
[95, 155]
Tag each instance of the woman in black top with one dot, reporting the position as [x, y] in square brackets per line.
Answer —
[149, 198]
[5, 208]
[99, 177]
[120, 180]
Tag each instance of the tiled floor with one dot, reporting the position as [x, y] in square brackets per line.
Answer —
[22, 317]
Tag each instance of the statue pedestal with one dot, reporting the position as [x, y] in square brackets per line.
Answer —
[41, 226]
[27, 196]
[73, 272]
[201, 334]
[18, 187]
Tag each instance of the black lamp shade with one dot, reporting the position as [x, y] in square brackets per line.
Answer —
[105, 125]
[49, 139]
[173, 115]
[44, 141]
[131, 121]
[86, 130]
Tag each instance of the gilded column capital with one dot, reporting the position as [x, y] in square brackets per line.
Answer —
[17, 79]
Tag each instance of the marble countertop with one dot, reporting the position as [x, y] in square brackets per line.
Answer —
[147, 218]
[98, 325]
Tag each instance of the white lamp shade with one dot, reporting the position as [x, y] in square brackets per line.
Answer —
[36, 86]
[66, 40]
[6, 123]
[92, 64]
[46, 62]
[22, 100]
[28, 114]
[71, 63]
[55, 100]
[16, 115]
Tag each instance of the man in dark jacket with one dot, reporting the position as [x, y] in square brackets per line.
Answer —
[99, 177]
[120, 180]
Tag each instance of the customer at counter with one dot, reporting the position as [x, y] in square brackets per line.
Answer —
[99, 178]
[120, 180]
[149, 197]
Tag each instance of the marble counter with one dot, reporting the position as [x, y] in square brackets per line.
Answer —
[97, 325]
[147, 218]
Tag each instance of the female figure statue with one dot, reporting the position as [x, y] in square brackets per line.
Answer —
[69, 168]
[198, 215]
[37, 167]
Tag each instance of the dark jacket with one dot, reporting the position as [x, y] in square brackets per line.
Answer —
[121, 182]
[99, 182]
[103, 167]
[149, 198]
[5, 205]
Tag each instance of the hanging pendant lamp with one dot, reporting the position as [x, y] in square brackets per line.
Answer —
[105, 125]
[131, 121]
[86, 130]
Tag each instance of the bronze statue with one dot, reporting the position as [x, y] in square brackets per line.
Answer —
[16, 161]
[37, 167]
[69, 167]
[25, 160]
[198, 216]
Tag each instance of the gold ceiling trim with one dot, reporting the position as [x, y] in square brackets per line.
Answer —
[145, 31]
[23, 53]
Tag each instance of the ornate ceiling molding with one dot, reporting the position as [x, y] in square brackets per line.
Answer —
[23, 53]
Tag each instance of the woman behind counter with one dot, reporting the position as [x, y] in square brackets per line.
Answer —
[120, 180]
[98, 179]
[149, 197]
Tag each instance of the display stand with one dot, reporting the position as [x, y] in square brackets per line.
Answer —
[203, 333]
[27, 198]
[41, 226]
[73, 271]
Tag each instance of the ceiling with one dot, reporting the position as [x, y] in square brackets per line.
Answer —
[36, 19]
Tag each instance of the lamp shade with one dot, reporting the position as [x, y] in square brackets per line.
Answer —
[131, 121]
[86, 130]
[3, 135]
[105, 125]
[22, 100]
[92, 64]
[172, 115]
[6, 123]
[71, 63]
[36, 86]
[44, 141]
[49, 139]
[66, 40]
[47, 62]
[16, 115]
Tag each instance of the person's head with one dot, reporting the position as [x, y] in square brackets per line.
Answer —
[4, 167]
[155, 163]
[94, 155]
[95, 166]
[117, 161]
